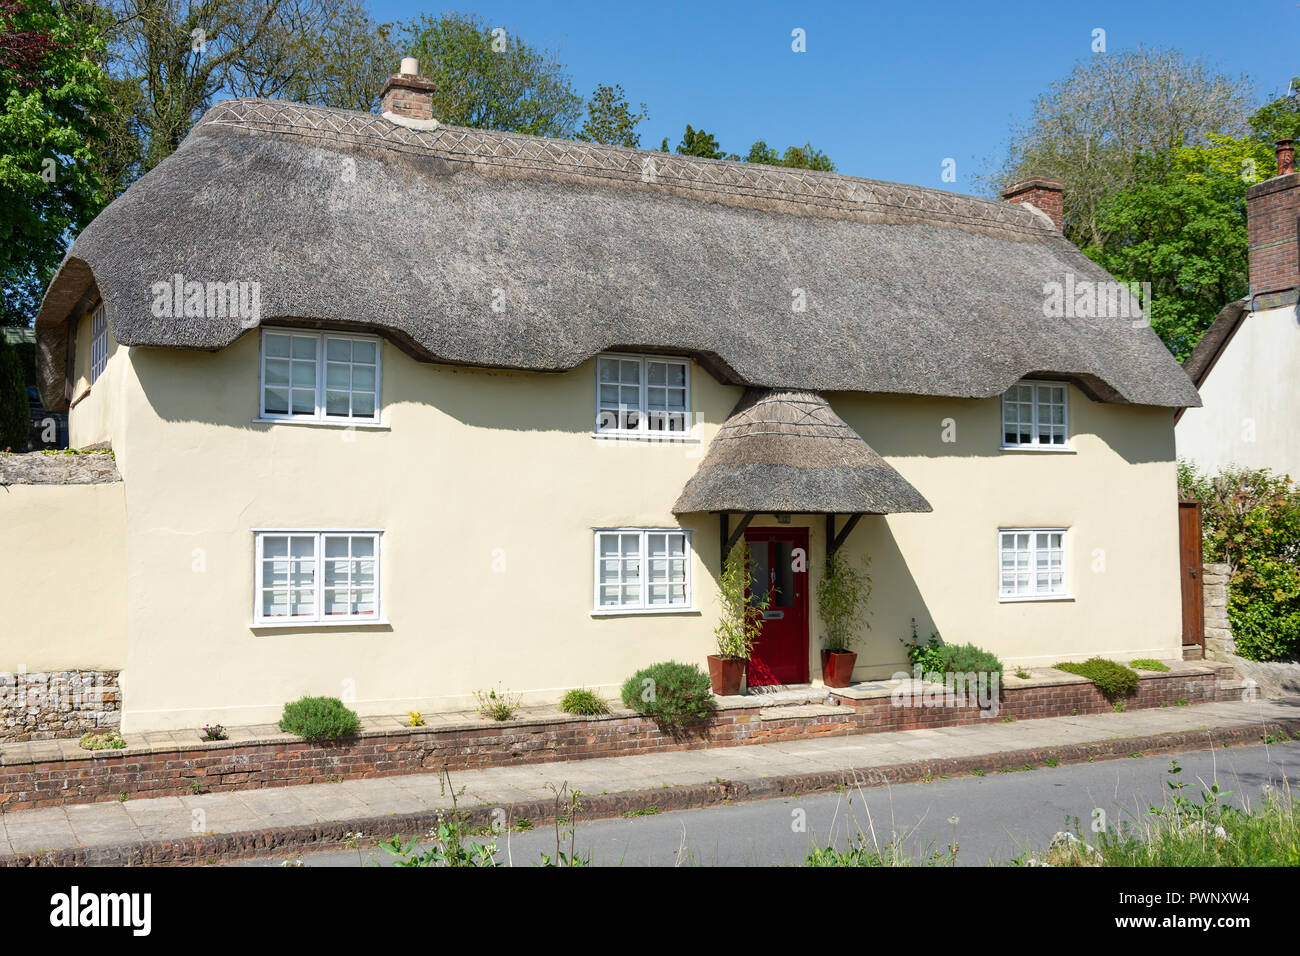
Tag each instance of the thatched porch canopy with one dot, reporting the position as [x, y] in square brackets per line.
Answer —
[787, 451]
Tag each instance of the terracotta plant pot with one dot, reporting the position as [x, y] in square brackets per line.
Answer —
[837, 668]
[726, 675]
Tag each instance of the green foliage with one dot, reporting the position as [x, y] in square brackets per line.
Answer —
[498, 706]
[928, 656]
[1148, 664]
[1113, 679]
[969, 659]
[579, 700]
[492, 81]
[1279, 118]
[673, 694]
[795, 157]
[696, 142]
[741, 620]
[1185, 234]
[107, 741]
[842, 595]
[14, 412]
[1250, 520]
[319, 718]
[610, 119]
[52, 89]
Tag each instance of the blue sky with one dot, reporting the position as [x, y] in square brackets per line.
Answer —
[888, 90]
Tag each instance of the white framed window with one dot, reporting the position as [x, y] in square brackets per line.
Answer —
[319, 376]
[98, 344]
[643, 569]
[1031, 563]
[643, 395]
[315, 577]
[1036, 415]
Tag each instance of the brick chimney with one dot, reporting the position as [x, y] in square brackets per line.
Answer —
[1273, 217]
[1045, 195]
[407, 93]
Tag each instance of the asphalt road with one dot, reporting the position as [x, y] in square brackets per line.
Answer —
[997, 817]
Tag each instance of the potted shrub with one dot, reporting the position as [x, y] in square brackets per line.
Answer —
[842, 595]
[738, 627]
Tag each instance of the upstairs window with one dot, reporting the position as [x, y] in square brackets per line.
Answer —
[98, 344]
[320, 376]
[1035, 415]
[638, 395]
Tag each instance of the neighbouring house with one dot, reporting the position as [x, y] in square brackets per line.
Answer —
[402, 410]
[1247, 365]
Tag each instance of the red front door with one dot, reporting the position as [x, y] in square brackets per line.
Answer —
[778, 567]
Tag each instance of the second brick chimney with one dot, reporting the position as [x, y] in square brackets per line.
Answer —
[1045, 195]
[1272, 221]
[407, 94]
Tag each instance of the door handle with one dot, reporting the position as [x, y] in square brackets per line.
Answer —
[1192, 572]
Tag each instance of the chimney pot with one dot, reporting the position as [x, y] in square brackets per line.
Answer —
[1045, 195]
[1285, 157]
[407, 94]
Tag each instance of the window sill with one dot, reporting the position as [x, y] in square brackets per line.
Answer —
[1033, 598]
[642, 436]
[313, 625]
[641, 611]
[373, 426]
[1042, 449]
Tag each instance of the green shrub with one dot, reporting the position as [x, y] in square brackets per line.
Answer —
[673, 694]
[740, 621]
[498, 706]
[1148, 664]
[585, 702]
[969, 659]
[842, 595]
[1251, 521]
[319, 718]
[928, 655]
[15, 417]
[1112, 679]
[108, 741]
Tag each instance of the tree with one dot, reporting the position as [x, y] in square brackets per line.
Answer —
[15, 417]
[610, 119]
[488, 79]
[1279, 118]
[51, 91]
[1109, 126]
[1185, 234]
[696, 142]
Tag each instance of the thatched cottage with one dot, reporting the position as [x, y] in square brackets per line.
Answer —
[402, 410]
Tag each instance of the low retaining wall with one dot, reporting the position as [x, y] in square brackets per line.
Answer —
[46, 705]
[284, 760]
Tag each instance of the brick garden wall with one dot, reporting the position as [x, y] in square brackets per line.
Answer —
[228, 765]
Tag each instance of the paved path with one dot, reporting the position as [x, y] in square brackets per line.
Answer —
[119, 824]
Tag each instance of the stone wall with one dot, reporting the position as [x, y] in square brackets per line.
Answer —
[1219, 645]
[48, 705]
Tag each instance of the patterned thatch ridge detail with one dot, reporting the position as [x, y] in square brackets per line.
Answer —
[718, 178]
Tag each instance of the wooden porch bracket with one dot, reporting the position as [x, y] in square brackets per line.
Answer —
[833, 540]
[728, 541]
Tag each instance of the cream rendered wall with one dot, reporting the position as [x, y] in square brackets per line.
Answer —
[1251, 400]
[481, 467]
[63, 577]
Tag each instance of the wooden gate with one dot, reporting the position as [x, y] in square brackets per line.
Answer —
[1189, 561]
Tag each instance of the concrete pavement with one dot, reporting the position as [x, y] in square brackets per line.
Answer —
[208, 827]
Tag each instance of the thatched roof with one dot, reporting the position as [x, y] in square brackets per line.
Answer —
[787, 451]
[348, 219]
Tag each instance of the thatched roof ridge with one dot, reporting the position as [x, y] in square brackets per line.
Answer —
[770, 277]
[787, 451]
